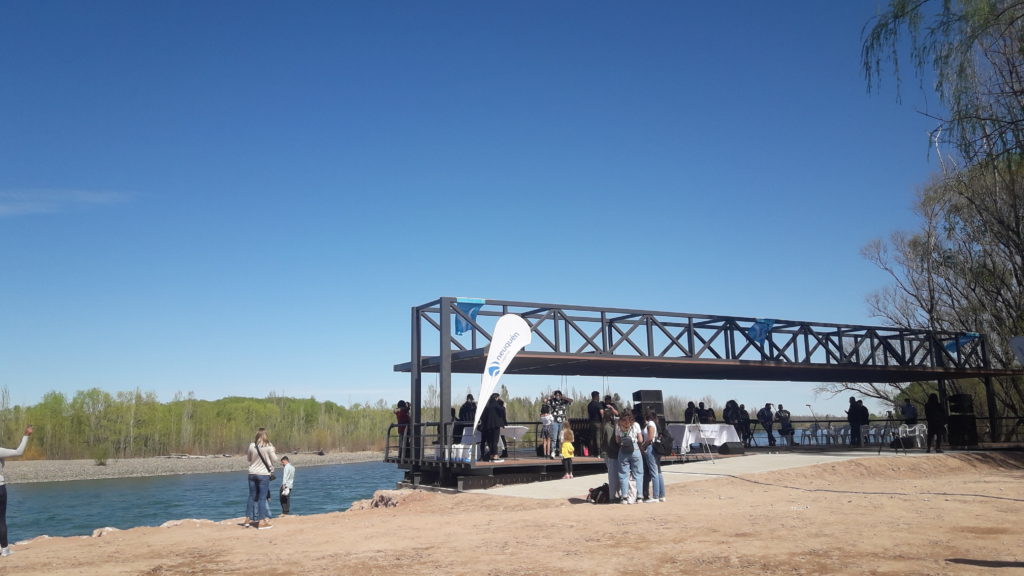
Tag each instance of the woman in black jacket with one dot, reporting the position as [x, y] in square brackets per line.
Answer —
[937, 419]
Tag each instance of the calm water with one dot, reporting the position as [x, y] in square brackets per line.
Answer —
[77, 508]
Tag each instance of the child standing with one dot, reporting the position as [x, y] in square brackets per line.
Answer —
[567, 451]
[547, 428]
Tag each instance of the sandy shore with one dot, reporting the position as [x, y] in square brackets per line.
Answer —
[890, 515]
[23, 471]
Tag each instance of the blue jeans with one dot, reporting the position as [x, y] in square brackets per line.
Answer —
[613, 477]
[259, 487]
[653, 463]
[556, 444]
[630, 467]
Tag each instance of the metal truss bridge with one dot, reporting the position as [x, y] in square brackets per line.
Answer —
[589, 341]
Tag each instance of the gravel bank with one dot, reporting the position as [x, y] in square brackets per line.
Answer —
[24, 471]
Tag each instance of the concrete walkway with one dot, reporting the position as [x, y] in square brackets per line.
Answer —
[688, 472]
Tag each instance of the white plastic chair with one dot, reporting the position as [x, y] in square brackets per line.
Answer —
[844, 434]
[920, 434]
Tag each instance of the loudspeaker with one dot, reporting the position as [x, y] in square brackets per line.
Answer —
[658, 408]
[963, 430]
[961, 404]
[731, 448]
[645, 396]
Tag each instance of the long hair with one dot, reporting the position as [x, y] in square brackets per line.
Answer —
[261, 437]
[626, 418]
[567, 435]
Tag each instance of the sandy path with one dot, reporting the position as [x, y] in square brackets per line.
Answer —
[936, 514]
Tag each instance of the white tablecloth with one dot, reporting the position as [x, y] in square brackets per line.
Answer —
[715, 434]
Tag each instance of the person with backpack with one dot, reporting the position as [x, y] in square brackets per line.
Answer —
[547, 427]
[652, 460]
[610, 446]
[630, 439]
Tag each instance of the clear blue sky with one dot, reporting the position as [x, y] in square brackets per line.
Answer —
[235, 198]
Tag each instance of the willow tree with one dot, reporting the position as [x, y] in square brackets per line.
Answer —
[963, 268]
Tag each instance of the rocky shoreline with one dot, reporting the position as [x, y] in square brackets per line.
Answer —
[27, 471]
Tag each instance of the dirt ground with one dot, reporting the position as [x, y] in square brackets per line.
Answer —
[937, 514]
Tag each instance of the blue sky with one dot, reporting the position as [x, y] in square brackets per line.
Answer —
[235, 198]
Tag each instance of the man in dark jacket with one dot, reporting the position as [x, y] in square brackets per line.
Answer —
[466, 413]
[491, 421]
[765, 417]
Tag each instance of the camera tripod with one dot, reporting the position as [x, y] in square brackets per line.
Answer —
[891, 430]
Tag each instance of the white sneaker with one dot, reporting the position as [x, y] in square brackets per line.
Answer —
[6, 552]
[661, 499]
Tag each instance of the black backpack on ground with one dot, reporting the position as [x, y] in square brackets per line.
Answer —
[599, 495]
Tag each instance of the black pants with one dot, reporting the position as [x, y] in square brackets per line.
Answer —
[855, 435]
[286, 503]
[594, 445]
[3, 516]
[567, 462]
[489, 438]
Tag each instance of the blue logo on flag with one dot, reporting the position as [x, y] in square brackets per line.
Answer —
[493, 369]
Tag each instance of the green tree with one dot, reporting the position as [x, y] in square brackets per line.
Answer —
[972, 50]
[963, 268]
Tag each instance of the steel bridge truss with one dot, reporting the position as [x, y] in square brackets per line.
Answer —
[589, 341]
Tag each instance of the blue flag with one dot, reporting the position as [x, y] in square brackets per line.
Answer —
[952, 345]
[759, 330]
[471, 306]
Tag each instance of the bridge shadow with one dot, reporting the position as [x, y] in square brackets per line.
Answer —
[986, 563]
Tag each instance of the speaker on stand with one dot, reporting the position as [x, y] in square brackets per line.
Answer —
[963, 424]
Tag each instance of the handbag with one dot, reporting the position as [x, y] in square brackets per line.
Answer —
[662, 445]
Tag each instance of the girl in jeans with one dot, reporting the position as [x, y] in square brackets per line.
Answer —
[630, 439]
[261, 457]
[652, 461]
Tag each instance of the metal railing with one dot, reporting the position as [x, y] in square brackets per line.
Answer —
[821, 433]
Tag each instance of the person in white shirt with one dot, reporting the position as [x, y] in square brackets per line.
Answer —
[287, 479]
[5, 453]
[652, 461]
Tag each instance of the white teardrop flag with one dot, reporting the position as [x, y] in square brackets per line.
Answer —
[511, 334]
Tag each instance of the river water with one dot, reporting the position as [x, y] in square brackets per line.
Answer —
[79, 507]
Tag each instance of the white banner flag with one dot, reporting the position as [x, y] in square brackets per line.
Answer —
[511, 334]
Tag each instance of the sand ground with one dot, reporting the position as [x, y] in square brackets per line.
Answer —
[954, 513]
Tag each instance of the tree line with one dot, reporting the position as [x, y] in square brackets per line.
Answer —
[95, 424]
[100, 425]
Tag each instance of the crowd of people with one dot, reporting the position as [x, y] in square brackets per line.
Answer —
[625, 438]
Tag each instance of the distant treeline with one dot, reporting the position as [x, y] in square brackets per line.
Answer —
[99, 425]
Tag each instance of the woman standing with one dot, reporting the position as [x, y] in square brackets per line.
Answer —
[261, 458]
[937, 419]
[652, 460]
[4, 454]
[630, 439]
